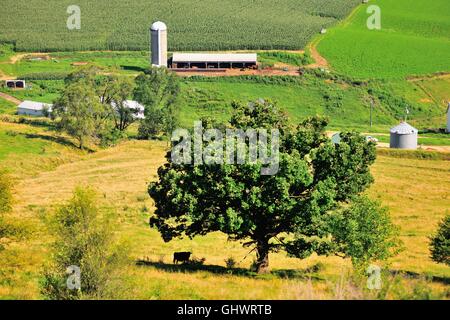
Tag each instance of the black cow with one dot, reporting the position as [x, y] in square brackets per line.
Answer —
[181, 257]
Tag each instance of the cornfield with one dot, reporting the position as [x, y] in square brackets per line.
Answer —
[41, 25]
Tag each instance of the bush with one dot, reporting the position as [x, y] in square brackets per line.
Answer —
[440, 243]
[84, 240]
[111, 137]
[230, 263]
[365, 233]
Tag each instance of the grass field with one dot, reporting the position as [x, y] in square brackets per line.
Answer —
[120, 175]
[7, 107]
[414, 39]
[39, 25]
[123, 62]
[46, 166]
[441, 140]
[346, 105]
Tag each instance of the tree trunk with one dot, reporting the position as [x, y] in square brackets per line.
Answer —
[262, 257]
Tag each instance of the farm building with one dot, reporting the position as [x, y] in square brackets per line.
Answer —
[214, 60]
[135, 106]
[32, 108]
[15, 84]
[404, 136]
[158, 36]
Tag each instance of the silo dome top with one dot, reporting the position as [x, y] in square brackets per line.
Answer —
[404, 128]
[159, 26]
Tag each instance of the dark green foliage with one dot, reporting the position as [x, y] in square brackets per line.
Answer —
[364, 232]
[110, 137]
[414, 154]
[114, 91]
[80, 113]
[92, 107]
[347, 164]
[83, 239]
[287, 211]
[260, 114]
[440, 243]
[158, 90]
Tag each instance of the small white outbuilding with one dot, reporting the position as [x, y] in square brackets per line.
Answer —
[33, 108]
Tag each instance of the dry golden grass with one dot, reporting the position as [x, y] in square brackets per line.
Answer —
[417, 191]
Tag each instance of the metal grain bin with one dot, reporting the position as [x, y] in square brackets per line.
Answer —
[404, 136]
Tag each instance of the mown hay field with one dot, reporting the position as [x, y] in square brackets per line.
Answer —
[414, 40]
[38, 25]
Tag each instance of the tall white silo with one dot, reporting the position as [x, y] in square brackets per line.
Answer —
[448, 118]
[158, 35]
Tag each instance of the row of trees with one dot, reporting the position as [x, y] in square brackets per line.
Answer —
[93, 107]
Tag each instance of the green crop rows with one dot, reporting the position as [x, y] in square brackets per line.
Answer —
[413, 40]
[40, 25]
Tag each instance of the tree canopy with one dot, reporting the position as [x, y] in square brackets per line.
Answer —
[291, 210]
[440, 243]
[158, 90]
[93, 106]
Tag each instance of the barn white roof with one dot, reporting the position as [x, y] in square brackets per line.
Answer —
[215, 57]
[404, 128]
[33, 105]
[131, 104]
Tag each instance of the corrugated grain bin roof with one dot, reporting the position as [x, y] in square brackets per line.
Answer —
[215, 57]
[32, 105]
[404, 128]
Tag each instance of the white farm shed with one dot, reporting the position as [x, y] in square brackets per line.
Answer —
[214, 60]
[33, 108]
